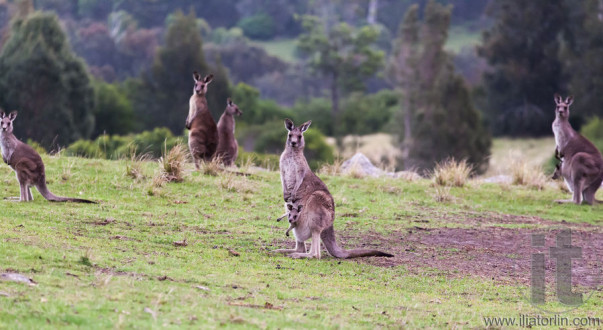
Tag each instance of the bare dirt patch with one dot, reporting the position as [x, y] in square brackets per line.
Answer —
[500, 254]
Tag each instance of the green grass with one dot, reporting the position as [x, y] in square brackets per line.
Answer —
[115, 264]
[460, 37]
[281, 48]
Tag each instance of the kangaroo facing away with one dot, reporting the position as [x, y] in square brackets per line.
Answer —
[26, 163]
[203, 132]
[316, 218]
[581, 162]
[228, 148]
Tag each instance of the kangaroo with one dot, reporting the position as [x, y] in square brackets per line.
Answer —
[294, 211]
[26, 163]
[582, 163]
[228, 148]
[203, 132]
[316, 218]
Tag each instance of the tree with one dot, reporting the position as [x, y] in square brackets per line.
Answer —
[342, 54]
[522, 48]
[112, 110]
[161, 96]
[49, 86]
[437, 119]
[582, 53]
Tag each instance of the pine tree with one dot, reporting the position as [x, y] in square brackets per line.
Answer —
[436, 102]
[582, 53]
[522, 48]
[42, 79]
[162, 96]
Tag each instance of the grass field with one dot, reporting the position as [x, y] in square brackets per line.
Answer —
[121, 264]
[281, 48]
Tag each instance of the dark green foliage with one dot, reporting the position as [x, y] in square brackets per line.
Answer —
[49, 86]
[593, 130]
[437, 120]
[161, 97]
[317, 110]
[367, 114]
[583, 57]
[522, 49]
[113, 111]
[256, 110]
[260, 26]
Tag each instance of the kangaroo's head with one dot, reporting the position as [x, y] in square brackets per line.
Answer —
[295, 139]
[7, 121]
[562, 110]
[557, 173]
[201, 84]
[294, 211]
[232, 109]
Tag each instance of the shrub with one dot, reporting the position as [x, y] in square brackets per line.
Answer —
[260, 26]
[85, 148]
[593, 130]
[366, 114]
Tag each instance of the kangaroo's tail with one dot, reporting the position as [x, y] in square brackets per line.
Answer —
[43, 189]
[328, 239]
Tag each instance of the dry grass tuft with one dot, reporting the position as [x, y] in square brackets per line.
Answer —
[409, 175]
[213, 167]
[134, 165]
[525, 174]
[331, 169]
[451, 173]
[172, 163]
[442, 194]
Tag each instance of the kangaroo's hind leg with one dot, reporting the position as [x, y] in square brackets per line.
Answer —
[590, 191]
[314, 248]
[300, 247]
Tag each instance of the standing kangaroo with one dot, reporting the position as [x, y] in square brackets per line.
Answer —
[318, 213]
[203, 132]
[228, 148]
[582, 163]
[26, 163]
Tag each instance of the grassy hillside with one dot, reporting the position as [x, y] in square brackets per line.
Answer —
[116, 264]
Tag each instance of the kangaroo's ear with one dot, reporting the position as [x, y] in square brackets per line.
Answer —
[196, 76]
[228, 101]
[304, 127]
[299, 207]
[569, 100]
[558, 98]
[12, 115]
[289, 124]
[289, 207]
[208, 78]
[2, 114]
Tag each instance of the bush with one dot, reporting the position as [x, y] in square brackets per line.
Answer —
[260, 26]
[366, 114]
[318, 110]
[255, 110]
[85, 148]
[593, 130]
[113, 111]
[151, 143]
